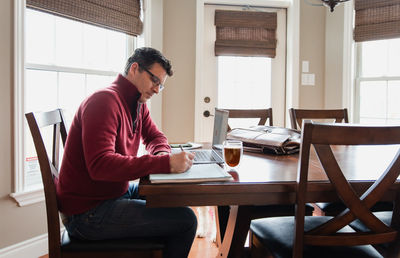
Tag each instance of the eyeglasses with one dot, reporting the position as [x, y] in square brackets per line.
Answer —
[154, 79]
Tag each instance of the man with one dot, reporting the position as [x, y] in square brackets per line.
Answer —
[100, 158]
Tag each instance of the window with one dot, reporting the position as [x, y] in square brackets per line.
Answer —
[65, 61]
[378, 82]
[244, 83]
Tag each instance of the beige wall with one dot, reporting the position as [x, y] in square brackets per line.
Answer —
[334, 37]
[154, 39]
[16, 224]
[321, 43]
[180, 47]
[312, 49]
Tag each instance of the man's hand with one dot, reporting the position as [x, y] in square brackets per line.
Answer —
[180, 162]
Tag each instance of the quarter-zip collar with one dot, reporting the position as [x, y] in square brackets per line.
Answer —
[130, 94]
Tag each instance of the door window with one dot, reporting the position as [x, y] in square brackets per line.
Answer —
[244, 83]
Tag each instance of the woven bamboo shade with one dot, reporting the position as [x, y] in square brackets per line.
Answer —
[241, 33]
[119, 15]
[377, 19]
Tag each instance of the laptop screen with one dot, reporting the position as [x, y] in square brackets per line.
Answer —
[220, 127]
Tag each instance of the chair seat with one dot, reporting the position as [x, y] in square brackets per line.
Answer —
[384, 216]
[278, 210]
[72, 244]
[276, 234]
[333, 208]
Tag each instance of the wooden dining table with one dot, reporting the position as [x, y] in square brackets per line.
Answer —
[267, 179]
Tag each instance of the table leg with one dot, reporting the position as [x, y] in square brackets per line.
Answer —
[236, 232]
[228, 233]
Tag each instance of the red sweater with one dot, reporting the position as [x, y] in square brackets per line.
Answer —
[100, 156]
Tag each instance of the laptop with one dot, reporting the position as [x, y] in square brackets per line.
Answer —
[214, 155]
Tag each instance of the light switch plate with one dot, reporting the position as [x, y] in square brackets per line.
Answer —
[308, 79]
[311, 79]
[304, 79]
[305, 66]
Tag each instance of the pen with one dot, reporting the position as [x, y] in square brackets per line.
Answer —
[180, 146]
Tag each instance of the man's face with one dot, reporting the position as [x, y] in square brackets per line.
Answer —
[149, 81]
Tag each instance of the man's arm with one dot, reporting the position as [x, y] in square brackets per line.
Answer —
[157, 144]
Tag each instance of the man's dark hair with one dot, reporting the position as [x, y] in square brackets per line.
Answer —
[146, 57]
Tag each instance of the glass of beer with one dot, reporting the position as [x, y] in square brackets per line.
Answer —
[233, 151]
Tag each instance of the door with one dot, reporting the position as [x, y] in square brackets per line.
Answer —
[237, 82]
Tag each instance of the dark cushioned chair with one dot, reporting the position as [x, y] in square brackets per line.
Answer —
[385, 217]
[325, 236]
[67, 246]
[334, 208]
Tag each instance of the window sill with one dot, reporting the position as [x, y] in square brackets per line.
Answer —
[28, 197]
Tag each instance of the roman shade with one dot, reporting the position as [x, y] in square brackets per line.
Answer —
[376, 19]
[243, 33]
[119, 15]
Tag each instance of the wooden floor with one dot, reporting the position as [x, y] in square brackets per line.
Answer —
[201, 248]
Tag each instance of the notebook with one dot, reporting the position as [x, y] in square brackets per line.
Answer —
[220, 129]
[198, 173]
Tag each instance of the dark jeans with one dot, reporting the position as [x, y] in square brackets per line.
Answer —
[128, 216]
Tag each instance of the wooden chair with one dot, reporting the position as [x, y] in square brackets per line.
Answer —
[255, 212]
[323, 236]
[262, 114]
[385, 217]
[339, 115]
[65, 245]
[297, 115]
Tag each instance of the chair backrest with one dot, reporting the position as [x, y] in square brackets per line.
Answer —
[324, 137]
[262, 114]
[49, 166]
[298, 115]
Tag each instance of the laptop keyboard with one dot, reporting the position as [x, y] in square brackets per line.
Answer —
[203, 156]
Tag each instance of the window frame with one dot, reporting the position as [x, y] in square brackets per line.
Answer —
[358, 79]
[20, 193]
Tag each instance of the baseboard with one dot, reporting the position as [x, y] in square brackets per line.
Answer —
[31, 248]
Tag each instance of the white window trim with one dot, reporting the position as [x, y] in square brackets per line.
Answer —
[25, 198]
[348, 60]
[21, 195]
[65, 69]
[19, 75]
